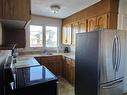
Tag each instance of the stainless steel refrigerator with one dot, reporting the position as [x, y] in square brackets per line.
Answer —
[100, 59]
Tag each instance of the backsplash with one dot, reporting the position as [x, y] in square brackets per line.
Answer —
[5, 52]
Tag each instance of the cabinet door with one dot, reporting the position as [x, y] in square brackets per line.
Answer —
[8, 8]
[64, 35]
[75, 29]
[16, 9]
[73, 72]
[1, 7]
[63, 67]
[55, 66]
[53, 63]
[10, 36]
[83, 26]
[69, 34]
[68, 77]
[91, 24]
[69, 70]
[102, 21]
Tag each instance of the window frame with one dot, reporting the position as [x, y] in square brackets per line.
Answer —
[57, 36]
[44, 36]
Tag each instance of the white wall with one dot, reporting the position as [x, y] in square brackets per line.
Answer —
[0, 34]
[122, 24]
[42, 21]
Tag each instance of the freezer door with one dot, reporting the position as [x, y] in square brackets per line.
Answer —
[113, 88]
[112, 55]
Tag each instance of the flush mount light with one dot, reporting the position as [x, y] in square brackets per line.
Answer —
[55, 8]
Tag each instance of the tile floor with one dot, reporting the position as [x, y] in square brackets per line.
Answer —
[65, 88]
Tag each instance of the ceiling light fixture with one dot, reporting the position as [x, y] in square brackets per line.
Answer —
[55, 8]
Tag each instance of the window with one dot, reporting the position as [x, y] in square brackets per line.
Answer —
[36, 36]
[51, 36]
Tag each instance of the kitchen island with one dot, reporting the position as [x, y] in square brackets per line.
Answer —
[34, 80]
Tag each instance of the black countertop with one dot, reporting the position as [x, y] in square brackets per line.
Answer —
[29, 76]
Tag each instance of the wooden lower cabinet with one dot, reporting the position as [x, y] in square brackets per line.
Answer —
[53, 63]
[60, 66]
[69, 70]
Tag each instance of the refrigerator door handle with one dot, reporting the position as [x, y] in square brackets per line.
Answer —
[118, 54]
[114, 53]
[112, 85]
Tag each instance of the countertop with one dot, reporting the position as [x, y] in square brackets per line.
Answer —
[33, 75]
[29, 60]
[25, 62]
[69, 55]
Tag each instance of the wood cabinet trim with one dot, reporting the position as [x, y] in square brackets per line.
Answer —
[100, 8]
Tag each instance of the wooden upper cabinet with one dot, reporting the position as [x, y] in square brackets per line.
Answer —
[102, 21]
[83, 26]
[98, 22]
[14, 36]
[16, 10]
[91, 24]
[1, 7]
[67, 34]
[75, 29]
[64, 35]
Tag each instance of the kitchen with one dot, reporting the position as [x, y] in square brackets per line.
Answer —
[42, 35]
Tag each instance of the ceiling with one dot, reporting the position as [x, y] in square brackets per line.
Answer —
[68, 7]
